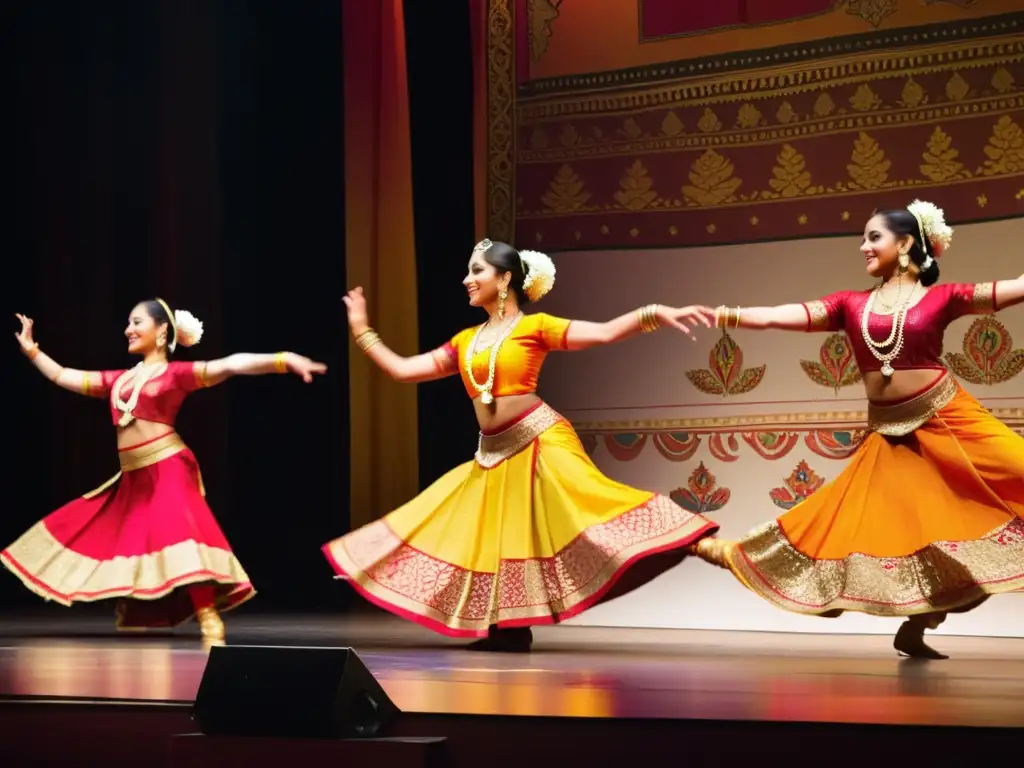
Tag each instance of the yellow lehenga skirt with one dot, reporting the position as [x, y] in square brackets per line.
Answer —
[926, 518]
[529, 532]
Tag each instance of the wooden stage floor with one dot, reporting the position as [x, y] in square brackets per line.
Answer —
[573, 672]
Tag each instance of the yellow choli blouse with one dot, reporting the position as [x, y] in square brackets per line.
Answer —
[520, 358]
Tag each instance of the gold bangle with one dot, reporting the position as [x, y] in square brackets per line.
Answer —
[648, 318]
[737, 325]
[721, 316]
[367, 339]
[32, 352]
[85, 383]
[281, 362]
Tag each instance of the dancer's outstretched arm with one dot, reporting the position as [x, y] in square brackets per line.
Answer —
[429, 366]
[584, 335]
[784, 317]
[71, 379]
[1007, 293]
[213, 372]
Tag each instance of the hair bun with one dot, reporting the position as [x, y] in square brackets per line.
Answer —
[188, 329]
[932, 221]
[540, 274]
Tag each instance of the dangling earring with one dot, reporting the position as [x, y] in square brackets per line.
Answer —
[904, 261]
[161, 342]
[502, 295]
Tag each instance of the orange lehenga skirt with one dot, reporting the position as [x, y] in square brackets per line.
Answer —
[927, 517]
[145, 537]
[529, 532]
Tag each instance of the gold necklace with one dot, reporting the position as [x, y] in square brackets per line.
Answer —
[486, 397]
[141, 374]
[895, 334]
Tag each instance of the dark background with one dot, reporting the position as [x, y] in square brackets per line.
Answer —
[193, 149]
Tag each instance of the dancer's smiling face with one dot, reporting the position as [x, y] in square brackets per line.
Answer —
[881, 247]
[482, 281]
[146, 331]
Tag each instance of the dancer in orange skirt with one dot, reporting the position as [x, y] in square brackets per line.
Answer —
[927, 517]
[529, 532]
[146, 536]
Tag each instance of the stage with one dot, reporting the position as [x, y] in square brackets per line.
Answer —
[709, 694]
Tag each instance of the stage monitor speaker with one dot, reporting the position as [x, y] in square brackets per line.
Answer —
[290, 693]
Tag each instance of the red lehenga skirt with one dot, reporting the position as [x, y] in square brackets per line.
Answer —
[144, 536]
[529, 532]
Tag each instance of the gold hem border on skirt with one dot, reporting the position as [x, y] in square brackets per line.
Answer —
[944, 576]
[57, 573]
[461, 602]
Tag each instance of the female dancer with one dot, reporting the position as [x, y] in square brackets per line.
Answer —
[147, 535]
[926, 519]
[529, 532]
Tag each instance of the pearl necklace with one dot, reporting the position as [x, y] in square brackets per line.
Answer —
[485, 389]
[141, 374]
[895, 335]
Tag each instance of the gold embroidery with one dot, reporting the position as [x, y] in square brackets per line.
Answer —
[565, 193]
[542, 14]
[943, 576]
[494, 449]
[903, 418]
[817, 314]
[711, 180]
[636, 189]
[940, 158]
[199, 369]
[468, 602]
[151, 453]
[868, 168]
[840, 420]
[791, 177]
[984, 299]
[501, 119]
[1005, 149]
[57, 573]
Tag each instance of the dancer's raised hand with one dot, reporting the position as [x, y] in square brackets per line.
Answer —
[355, 305]
[24, 336]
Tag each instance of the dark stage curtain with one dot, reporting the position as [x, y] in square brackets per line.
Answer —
[441, 112]
[190, 149]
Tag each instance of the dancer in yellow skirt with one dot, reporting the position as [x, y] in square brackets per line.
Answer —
[927, 517]
[529, 532]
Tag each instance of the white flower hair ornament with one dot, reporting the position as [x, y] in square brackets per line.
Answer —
[931, 220]
[188, 329]
[540, 274]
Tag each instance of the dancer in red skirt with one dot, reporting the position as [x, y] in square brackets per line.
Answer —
[146, 536]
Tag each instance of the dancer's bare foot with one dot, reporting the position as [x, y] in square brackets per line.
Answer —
[712, 550]
[210, 625]
[909, 640]
[513, 640]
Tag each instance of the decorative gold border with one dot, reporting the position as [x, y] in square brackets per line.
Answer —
[854, 46]
[501, 119]
[943, 576]
[770, 83]
[1012, 417]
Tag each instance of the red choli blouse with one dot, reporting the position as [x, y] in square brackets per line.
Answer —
[161, 396]
[922, 332]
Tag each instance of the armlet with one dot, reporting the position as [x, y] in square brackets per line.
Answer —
[984, 298]
[817, 315]
[445, 358]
